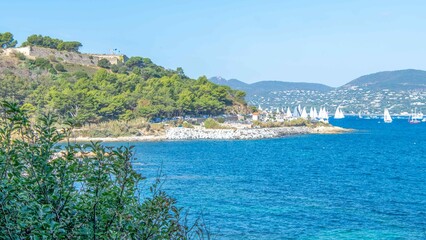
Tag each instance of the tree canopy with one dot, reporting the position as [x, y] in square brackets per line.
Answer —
[146, 90]
[7, 41]
[48, 42]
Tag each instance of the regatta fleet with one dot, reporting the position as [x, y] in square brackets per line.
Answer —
[283, 114]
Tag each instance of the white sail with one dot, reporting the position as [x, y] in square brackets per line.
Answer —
[296, 112]
[320, 114]
[304, 114]
[338, 114]
[325, 114]
[278, 110]
[315, 113]
[386, 116]
[311, 113]
[288, 114]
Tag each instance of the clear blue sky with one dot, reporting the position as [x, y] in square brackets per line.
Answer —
[330, 42]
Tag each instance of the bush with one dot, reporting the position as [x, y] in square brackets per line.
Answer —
[42, 63]
[210, 123]
[20, 56]
[76, 192]
[59, 67]
[114, 68]
[122, 70]
[187, 125]
[220, 120]
[104, 63]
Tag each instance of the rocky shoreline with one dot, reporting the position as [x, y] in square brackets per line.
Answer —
[245, 134]
[179, 133]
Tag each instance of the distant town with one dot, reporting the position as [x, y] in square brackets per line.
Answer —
[353, 101]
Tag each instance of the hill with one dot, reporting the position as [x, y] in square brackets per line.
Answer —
[93, 88]
[265, 87]
[408, 79]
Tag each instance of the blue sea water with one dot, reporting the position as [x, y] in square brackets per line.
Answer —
[369, 184]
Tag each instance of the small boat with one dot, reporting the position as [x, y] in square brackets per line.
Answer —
[338, 114]
[386, 116]
[414, 117]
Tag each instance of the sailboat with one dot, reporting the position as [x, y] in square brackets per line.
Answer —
[288, 114]
[413, 117]
[304, 114]
[323, 115]
[338, 114]
[296, 113]
[386, 116]
[312, 114]
[359, 115]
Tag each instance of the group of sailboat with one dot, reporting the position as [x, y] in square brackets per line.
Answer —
[299, 112]
[322, 114]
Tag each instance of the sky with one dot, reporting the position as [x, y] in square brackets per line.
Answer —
[328, 42]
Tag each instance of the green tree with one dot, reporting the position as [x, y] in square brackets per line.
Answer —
[104, 63]
[72, 46]
[7, 41]
[48, 42]
[79, 192]
[135, 62]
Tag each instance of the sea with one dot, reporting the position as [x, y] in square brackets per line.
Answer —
[367, 184]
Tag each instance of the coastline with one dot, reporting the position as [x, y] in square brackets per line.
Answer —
[179, 133]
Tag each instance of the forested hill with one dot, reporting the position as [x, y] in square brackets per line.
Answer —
[89, 94]
[407, 79]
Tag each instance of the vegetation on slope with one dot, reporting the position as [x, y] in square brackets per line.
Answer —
[82, 192]
[134, 89]
[394, 80]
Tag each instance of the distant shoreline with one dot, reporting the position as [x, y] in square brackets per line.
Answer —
[179, 133]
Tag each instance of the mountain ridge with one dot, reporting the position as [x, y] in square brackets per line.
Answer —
[266, 86]
[404, 79]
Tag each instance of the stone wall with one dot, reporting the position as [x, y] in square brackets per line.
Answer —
[65, 56]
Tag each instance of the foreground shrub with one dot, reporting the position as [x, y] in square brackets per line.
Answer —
[76, 192]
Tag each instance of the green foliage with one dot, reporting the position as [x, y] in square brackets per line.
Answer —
[72, 46]
[80, 192]
[19, 55]
[48, 42]
[135, 62]
[186, 124]
[60, 68]
[13, 88]
[7, 41]
[210, 123]
[114, 68]
[135, 89]
[220, 120]
[299, 122]
[104, 63]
